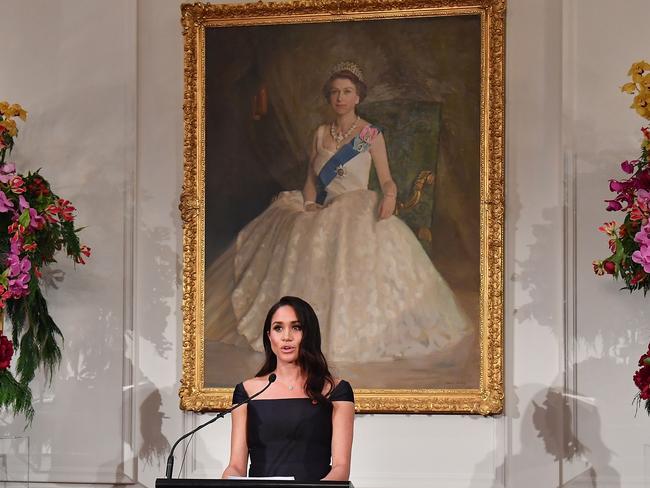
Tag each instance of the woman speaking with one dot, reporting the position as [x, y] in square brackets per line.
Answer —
[302, 425]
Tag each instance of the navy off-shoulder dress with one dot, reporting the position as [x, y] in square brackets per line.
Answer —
[291, 436]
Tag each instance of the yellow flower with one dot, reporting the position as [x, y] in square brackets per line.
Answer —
[629, 88]
[4, 106]
[642, 104]
[17, 110]
[638, 68]
[10, 125]
[644, 83]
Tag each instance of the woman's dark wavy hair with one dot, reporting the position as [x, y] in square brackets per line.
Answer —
[310, 357]
[362, 88]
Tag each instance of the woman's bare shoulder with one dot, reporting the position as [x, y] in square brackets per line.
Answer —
[363, 123]
[253, 385]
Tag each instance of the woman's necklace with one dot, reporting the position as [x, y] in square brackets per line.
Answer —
[288, 386]
[336, 133]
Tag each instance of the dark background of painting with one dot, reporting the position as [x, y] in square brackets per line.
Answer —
[433, 60]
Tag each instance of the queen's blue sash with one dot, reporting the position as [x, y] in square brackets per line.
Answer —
[334, 166]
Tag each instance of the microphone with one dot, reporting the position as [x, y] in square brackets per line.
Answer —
[170, 459]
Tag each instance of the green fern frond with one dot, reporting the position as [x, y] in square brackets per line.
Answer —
[15, 396]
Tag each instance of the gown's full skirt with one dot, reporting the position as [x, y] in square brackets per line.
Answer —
[375, 291]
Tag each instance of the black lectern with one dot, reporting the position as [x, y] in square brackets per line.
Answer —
[219, 483]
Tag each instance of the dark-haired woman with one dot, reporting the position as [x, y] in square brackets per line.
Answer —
[305, 418]
[338, 245]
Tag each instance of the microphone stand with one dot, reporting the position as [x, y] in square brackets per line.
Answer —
[170, 458]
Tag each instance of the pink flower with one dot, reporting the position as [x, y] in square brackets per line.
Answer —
[613, 206]
[7, 171]
[642, 257]
[5, 203]
[36, 222]
[19, 287]
[22, 203]
[643, 236]
[643, 196]
[16, 244]
[627, 167]
[618, 186]
[18, 266]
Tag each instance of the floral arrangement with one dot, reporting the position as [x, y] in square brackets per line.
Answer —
[629, 242]
[35, 224]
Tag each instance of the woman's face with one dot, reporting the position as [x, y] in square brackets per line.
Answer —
[285, 334]
[343, 96]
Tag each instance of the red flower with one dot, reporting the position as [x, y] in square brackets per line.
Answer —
[16, 229]
[66, 209]
[50, 213]
[638, 277]
[612, 245]
[642, 381]
[6, 352]
[38, 187]
[17, 185]
[30, 247]
[85, 250]
[609, 267]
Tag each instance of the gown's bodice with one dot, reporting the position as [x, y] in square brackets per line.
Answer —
[291, 436]
[354, 175]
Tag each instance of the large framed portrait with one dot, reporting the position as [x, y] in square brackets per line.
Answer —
[350, 153]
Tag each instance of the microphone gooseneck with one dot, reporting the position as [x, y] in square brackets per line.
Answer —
[170, 458]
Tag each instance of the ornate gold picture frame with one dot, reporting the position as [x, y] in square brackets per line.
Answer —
[252, 102]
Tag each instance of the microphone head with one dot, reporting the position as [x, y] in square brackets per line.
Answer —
[272, 377]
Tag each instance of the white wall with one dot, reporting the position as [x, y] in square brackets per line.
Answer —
[103, 83]
[72, 65]
[612, 326]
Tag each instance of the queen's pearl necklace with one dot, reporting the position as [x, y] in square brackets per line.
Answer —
[336, 134]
